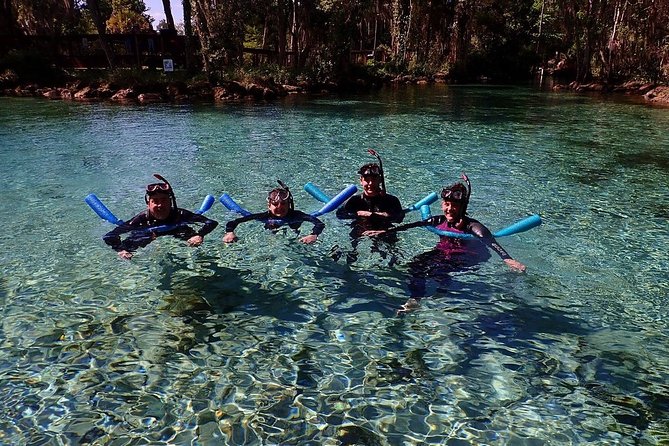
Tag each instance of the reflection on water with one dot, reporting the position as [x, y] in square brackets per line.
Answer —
[268, 341]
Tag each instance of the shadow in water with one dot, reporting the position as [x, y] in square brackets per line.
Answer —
[220, 290]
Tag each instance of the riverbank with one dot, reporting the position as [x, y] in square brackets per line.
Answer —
[652, 93]
[198, 90]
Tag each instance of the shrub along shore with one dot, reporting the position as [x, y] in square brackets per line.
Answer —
[162, 89]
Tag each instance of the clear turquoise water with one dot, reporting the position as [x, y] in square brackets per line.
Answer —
[268, 341]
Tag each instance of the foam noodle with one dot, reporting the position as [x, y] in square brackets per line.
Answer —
[520, 226]
[227, 201]
[100, 209]
[315, 192]
[206, 204]
[337, 200]
[427, 200]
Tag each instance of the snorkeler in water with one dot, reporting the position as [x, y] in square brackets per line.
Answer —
[451, 253]
[280, 212]
[161, 217]
[373, 209]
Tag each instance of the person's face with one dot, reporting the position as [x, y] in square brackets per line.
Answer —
[371, 185]
[452, 210]
[160, 206]
[278, 208]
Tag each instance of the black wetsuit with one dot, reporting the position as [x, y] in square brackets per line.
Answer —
[451, 254]
[458, 246]
[144, 229]
[293, 220]
[380, 203]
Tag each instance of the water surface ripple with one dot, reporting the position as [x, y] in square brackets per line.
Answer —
[268, 341]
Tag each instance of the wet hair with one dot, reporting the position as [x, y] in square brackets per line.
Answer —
[280, 194]
[455, 192]
[458, 192]
[160, 188]
[370, 169]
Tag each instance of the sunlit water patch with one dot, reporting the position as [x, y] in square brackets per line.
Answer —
[268, 341]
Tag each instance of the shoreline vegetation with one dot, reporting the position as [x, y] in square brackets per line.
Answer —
[156, 87]
[238, 50]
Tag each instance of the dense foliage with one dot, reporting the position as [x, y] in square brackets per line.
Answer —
[505, 40]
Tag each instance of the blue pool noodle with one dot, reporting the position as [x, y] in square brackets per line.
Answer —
[427, 200]
[227, 201]
[102, 210]
[521, 226]
[330, 205]
[207, 203]
[319, 195]
[315, 192]
[104, 213]
[336, 201]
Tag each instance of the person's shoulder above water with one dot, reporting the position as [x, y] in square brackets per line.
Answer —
[161, 209]
[281, 211]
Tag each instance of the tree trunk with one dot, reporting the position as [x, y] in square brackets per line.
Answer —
[202, 28]
[168, 15]
[282, 30]
[7, 19]
[94, 8]
[188, 31]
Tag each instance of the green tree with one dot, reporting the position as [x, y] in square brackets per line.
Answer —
[128, 16]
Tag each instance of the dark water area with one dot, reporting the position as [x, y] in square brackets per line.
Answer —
[269, 341]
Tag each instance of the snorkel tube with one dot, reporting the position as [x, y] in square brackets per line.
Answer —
[383, 178]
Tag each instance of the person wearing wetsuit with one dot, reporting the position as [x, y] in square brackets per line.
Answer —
[451, 253]
[161, 217]
[374, 209]
[280, 212]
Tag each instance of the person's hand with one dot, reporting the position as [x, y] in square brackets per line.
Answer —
[229, 237]
[309, 239]
[409, 306]
[126, 255]
[515, 264]
[364, 214]
[195, 240]
[373, 233]
[382, 214]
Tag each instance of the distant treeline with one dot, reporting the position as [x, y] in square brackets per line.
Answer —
[503, 40]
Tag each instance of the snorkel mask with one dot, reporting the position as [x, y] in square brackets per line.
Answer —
[281, 194]
[373, 169]
[160, 188]
[459, 192]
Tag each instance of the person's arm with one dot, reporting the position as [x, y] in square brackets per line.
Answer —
[319, 226]
[349, 210]
[208, 225]
[432, 221]
[230, 226]
[125, 248]
[396, 212]
[484, 234]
